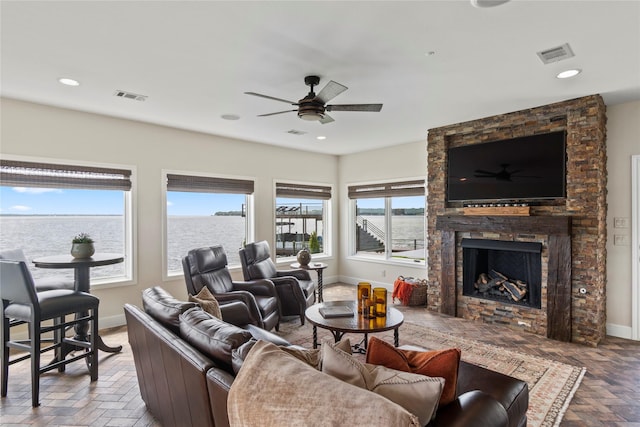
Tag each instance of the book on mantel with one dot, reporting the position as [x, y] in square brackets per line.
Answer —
[336, 311]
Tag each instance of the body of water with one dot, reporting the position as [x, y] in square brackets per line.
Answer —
[41, 236]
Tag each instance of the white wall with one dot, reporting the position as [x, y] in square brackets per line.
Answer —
[46, 132]
[393, 163]
[623, 141]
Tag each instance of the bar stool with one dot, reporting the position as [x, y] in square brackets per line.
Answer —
[55, 281]
[22, 304]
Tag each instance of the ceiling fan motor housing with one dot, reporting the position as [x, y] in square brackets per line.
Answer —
[308, 109]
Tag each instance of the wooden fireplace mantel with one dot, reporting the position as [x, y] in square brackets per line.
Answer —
[558, 230]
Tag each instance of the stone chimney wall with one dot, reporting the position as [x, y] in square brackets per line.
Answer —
[584, 120]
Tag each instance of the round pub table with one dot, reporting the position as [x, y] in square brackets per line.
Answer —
[357, 323]
[81, 268]
[317, 267]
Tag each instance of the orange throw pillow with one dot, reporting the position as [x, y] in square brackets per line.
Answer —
[438, 363]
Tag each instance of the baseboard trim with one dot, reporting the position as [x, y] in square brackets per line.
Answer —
[619, 331]
[112, 321]
[354, 281]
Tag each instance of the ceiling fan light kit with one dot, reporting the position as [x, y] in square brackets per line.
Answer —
[313, 107]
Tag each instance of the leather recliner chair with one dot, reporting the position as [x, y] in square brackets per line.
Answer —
[207, 266]
[295, 288]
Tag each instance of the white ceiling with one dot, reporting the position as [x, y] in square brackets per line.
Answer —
[195, 60]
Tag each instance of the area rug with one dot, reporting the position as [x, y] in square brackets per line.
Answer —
[551, 384]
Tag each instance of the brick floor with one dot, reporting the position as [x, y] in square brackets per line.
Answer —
[608, 396]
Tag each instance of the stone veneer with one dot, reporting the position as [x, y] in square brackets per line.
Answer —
[584, 120]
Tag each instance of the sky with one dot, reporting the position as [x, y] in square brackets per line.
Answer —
[48, 201]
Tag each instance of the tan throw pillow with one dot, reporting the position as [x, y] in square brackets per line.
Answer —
[290, 392]
[207, 301]
[418, 394]
[313, 357]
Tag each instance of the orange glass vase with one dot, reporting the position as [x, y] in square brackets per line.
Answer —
[364, 294]
[380, 301]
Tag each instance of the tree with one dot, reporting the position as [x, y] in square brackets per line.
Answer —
[314, 244]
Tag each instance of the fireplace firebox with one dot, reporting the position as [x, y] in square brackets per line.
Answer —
[502, 271]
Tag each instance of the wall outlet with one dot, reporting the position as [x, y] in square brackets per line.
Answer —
[621, 240]
[383, 273]
[621, 222]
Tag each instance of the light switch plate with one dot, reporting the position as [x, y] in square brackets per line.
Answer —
[620, 222]
[621, 240]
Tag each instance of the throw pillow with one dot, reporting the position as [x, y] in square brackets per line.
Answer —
[417, 394]
[312, 357]
[439, 363]
[213, 337]
[207, 301]
[273, 388]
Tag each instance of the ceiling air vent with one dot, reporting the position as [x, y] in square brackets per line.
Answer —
[129, 95]
[556, 54]
[296, 132]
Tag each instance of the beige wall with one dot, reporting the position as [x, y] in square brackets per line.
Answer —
[46, 132]
[393, 163]
[35, 130]
[623, 141]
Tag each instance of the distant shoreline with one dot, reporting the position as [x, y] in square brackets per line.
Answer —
[54, 215]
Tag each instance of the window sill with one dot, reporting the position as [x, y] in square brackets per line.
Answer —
[387, 261]
[113, 282]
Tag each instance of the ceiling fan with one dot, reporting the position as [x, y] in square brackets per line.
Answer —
[503, 174]
[313, 107]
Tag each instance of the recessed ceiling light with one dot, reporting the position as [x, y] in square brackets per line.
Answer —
[69, 82]
[569, 73]
[487, 3]
[321, 137]
[230, 116]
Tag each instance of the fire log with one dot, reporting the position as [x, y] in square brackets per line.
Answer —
[516, 293]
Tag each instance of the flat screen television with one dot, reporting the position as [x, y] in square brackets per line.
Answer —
[526, 168]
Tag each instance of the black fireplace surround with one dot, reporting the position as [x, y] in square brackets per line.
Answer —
[515, 260]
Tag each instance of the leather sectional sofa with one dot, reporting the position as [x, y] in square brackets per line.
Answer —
[185, 379]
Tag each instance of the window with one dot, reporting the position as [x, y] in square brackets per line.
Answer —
[206, 211]
[301, 219]
[389, 220]
[44, 205]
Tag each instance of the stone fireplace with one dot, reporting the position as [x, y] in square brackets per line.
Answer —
[568, 234]
[503, 271]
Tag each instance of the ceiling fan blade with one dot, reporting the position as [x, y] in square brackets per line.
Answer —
[273, 114]
[326, 119]
[484, 172]
[271, 97]
[330, 91]
[354, 107]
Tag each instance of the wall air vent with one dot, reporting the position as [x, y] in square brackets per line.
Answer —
[129, 95]
[555, 54]
[296, 132]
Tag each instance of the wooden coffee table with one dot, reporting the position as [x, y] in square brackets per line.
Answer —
[339, 326]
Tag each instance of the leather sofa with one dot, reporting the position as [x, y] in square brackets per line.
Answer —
[182, 385]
